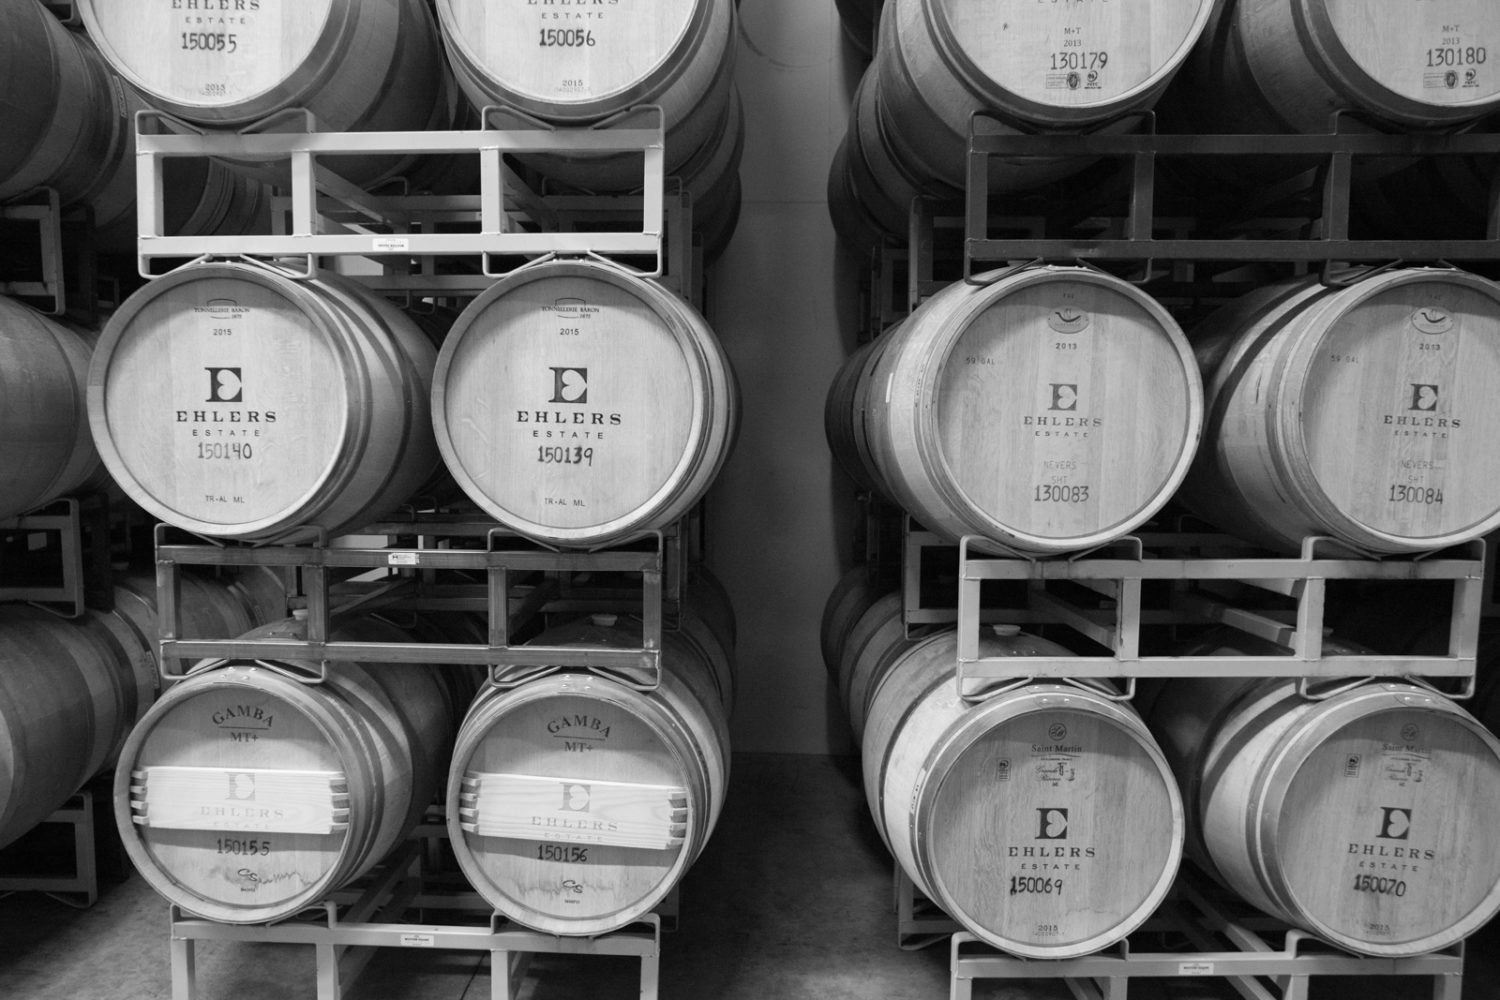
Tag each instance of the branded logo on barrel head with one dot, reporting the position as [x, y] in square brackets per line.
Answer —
[1054, 824]
[1057, 731]
[1002, 770]
[1411, 733]
[1351, 766]
[1432, 320]
[1066, 320]
[576, 797]
[242, 787]
[225, 385]
[570, 385]
[221, 309]
[1064, 396]
[1395, 824]
[1423, 397]
[569, 308]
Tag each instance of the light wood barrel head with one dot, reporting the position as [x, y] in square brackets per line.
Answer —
[1053, 831]
[1438, 54]
[240, 864]
[1398, 408]
[557, 59]
[1066, 54]
[1062, 411]
[578, 869]
[221, 402]
[1383, 835]
[209, 59]
[576, 405]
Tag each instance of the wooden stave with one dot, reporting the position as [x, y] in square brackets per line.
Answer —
[389, 726]
[47, 448]
[900, 436]
[1236, 745]
[847, 601]
[930, 89]
[845, 411]
[1263, 343]
[81, 132]
[917, 701]
[712, 384]
[386, 453]
[683, 712]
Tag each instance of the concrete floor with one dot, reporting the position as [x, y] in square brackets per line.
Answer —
[791, 899]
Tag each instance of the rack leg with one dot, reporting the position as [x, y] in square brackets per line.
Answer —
[960, 987]
[650, 974]
[184, 969]
[328, 972]
[1447, 987]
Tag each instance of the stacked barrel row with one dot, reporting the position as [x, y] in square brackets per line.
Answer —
[1044, 410]
[575, 403]
[1049, 819]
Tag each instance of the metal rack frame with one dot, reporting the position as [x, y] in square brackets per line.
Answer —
[509, 664]
[1227, 942]
[43, 209]
[394, 227]
[1118, 572]
[1137, 240]
[80, 889]
[343, 939]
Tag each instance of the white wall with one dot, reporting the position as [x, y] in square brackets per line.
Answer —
[783, 301]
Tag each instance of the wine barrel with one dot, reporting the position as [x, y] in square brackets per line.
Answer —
[57, 108]
[580, 405]
[247, 794]
[578, 67]
[356, 65]
[850, 598]
[1043, 819]
[236, 402]
[870, 190]
[46, 449]
[1047, 409]
[72, 689]
[575, 801]
[70, 126]
[1365, 412]
[1366, 818]
[1288, 65]
[876, 640]
[1035, 67]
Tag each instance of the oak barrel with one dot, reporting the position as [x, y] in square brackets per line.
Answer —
[1367, 412]
[57, 108]
[1288, 65]
[850, 598]
[71, 689]
[576, 801]
[46, 448]
[247, 794]
[1043, 819]
[1045, 409]
[580, 405]
[1033, 66]
[577, 67]
[234, 401]
[355, 65]
[1366, 818]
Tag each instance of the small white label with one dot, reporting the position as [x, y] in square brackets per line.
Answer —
[389, 244]
[402, 559]
[1195, 968]
[418, 941]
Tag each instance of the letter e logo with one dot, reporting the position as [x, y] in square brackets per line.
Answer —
[1054, 824]
[575, 798]
[225, 385]
[570, 385]
[1423, 397]
[1395, 824]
